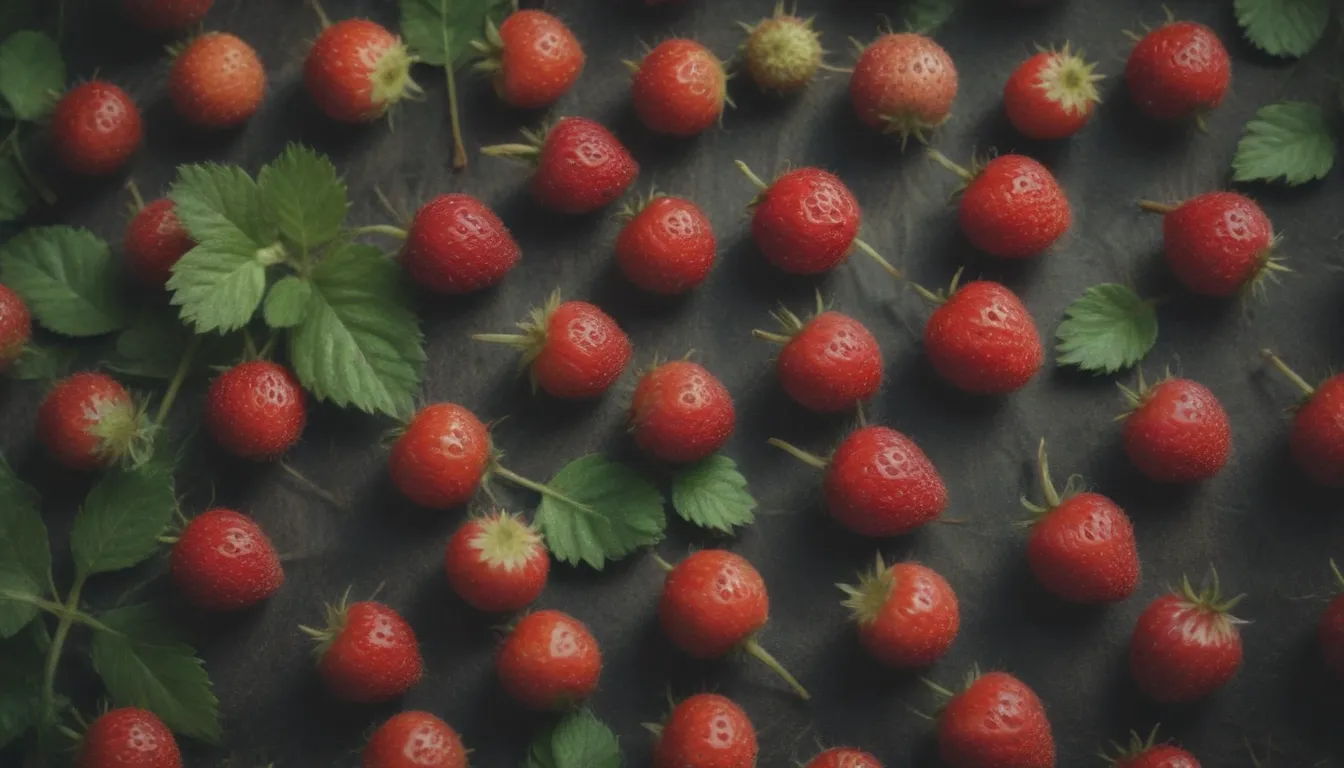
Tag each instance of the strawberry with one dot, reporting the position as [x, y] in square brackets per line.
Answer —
[1218, 243]
[1176, 431]
[549, 662]
[1081, 546]
[782, 53]
[1052, 95]
[572, 350]
[415, 740]
[457, 245]
[128, 738]
[706, 731]
[666, 246]
[981, 338]
[533, 56]
[1011, 207]
[1147, 753]
[1178, 71]
[155, 240]
[844, 757]
[367, 653]
[216, 81]
[714, 602]
[88, 421]
[1317, 438]
[165, 16]
[256, 410]
[829, 363]
[1330, 630]
[497, 563]
[1186, 644]
[903, 84]
[95, 128]
[440, 456]
[681, 412]
[16, 327]
[580, 166]
[907, 613]
[996, 722]
[223, 561]
[679, 89]
[357, 70]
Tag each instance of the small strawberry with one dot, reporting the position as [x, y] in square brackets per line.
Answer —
[128, 738]
[95, 128]
[1178, 71]
[1186, 644]
[165, 16]
[666, 246]
[89, 421]
[415, 740]
[1330, 630]
[16, 327]
[440, 456]
[1176, 431]
[533, 57]
[903, 84]
[844, 757]
[679, 89]
[981, 338]
[357, 70]
[1317, 438]
[1218, 243]
[549, 662]
[1148, 753]
[996, 722]
[457, 245]
[706, 731]
[681, 412]
[1011, 207]
[1052, 95]
[497, 563]
[217, 81]
[714, 602]
[572, 350]
[256, 410]
[907, 613]
[579, 165]
[155, 240]
[223, 561]
[829, 363]
[367, 653]
[782, 52]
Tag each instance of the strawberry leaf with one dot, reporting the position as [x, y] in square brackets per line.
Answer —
[1291, 141]
[926, 16]
[25, 554]
[287, 303]
[32, 74]
[1283, 27]
[68, 278]
[439, 32]
[578, 741]
[609, 511]
[1106, 329]
[16, 194]
[713, 494]
[42, 363]
[21, 661]
[122, 518]
[307, 198]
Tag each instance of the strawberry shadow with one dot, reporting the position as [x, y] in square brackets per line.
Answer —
[994, 133]
[1312, 702]
[750, 273]
[655, 152]
[306, 124]
[1123, 121]
[866, 158]
[634, 309]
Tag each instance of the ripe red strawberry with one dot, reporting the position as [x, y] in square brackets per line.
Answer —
[128, 738]
[440, 457]
[1330, 630]
[782, 53]
[679, 89]
[681, 412]
[1147, 753]
[667, 245]
[357, 70]
[88, 421]
[1178, 71]
[155, 240]
[1176, 431]
[367, 653]
[982, 340]
[1186, 644]
[16, 327]
[497, 563]
[573, 350]
[457, 245]
[549, 662]
[162, 16]
[1011, 207]
[996, 722]
[256, 410]
[1217, 243]
[223, 561]
[907, 613]
[706, 731]
[844, 757]
[714, 602]
[415, 740]
[1081, 546]
[580, 166]
[535, 59]
[1052, 95]
[903, 84]
[95, 128]
[1317, 438]
[217, 81]
[829, 363]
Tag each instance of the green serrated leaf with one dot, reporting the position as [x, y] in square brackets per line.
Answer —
[287, 303]
[17, 596]
[617, 512]
[122, 518]
[1106, 329]
[1284, 27]
[222, 203]
[440, 32]
[23, 535]
[583, 741]
[218, 290]
[541, 754]
[68, 278]
[713, 494]
[306, 196]
[1291, 141]
[38, 363]
[153, 345]
[16, 194]
[21, 662]
[32, 74]
[927, 16]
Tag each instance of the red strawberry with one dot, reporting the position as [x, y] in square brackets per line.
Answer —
[357, 70]
[679, 89]
[1186, 644]
[217, 81]
[95, 129]
[1011, 207]
[1217, 243]
[440, 457]
[1081, 546]
[497, 563]
[367, 653]
[573, 350]
[829, 363]
[88, 421]
[667, 245]
[1176, 431]
[163, 16]
[223, 561]
[1147, 753]
[16, 327]
[155, 240]
[903, 84]
[706, 731]
[1179, 70]
[256, 410]
[782, 53]
[415, 740]
[458, 245]
[844, 757]
[1330, 631]
[580, 166]
[714, 602]
[1052, 94]
[128, 738]
[535, 59]
[549, 662]
[981, 339]
[681, 412]
[996, 722]
[1317, 439]
[907, 614]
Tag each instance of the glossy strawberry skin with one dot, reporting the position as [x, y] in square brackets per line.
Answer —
[584, 353]
[707, 731]
[155, 240]
[256, 410]
[217, 81]
[582, 167]
[539, 61]
[712, 601]
[998, 721]
[1330, 633]
[806, 222]
[128, 738]
[844, 757]
[95, 129]
[415, 740]
[16, 327]
[494, 587]
[71, 410]
[918, 621]
[163, 16]
[681, 412]
[679, 89]
[1181, 652]
[374, 658]
[1179, 433]
[1178, 70]
[457, 245]
[879, 483]
[1030, 109]
[1216, 243]
[440, 457]
[668, 247]
[223, 561]
[1084, 551]
[1317, 437]
[1014, 208]
[831, 365]
[341, 70]
[1160, 756]
[982, 340]
[903, 76]
[549, 662]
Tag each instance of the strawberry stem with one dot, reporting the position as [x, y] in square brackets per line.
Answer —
[1047, 485]
[48, 696]
[314, 488]
[179, 377]
[1274, 360]
[459, 151]
[928, 295]
[1152, 206]
[322, 17]
[666, 566]
[941, 159]
[379, 229]
[511, 339]
[544, 490]
[754, 648]
[34, 181]
[137, 202]
[1339, 577]
[515, 151]
[746, 171]
[868, 249]
[798, 453]
[777, 338]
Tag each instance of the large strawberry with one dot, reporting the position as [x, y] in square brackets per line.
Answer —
[1178, 71]
[1317, 437]
[367, 653]
[1218, 243]
[155, 240]
[89, 421]
[903, 84]
[128, 738]
[667, 245]
[16, 327]
[256, 410]
[1011, 206]
[1176, 431]
[95, 128]
[579, 165]
[679, 88]
[1052, 94]
[1148, 752]
[907, 613]
[981, 338]
[681, 412]
[217, 81]
[440, 456]
[706, 731]
[415, 740]
[456, 244]
[357, 70]
[223, 561]
[997, 721]
[829, 363]
[497, 563]
[533, 57]
[1186, 644]
[549, 661]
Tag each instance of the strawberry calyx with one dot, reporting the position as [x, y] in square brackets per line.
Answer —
[866, 599]
[1138, 396]
[390, 77]
[1053, 497]
[790, 323]
[491, 49]
[1208, 600]
[909, 125]
[505, 541]
[1308, 391]
[940, 297]
[763, 189]
[528, 152]
[137, 202]
[123, 430]
[336, 616]
[1269, 264]
[1070, 81]
[632, 209]
[782, 51]
[967, 175]
[945, 695]
[1137, 746]
[811, 459]
[533, 337]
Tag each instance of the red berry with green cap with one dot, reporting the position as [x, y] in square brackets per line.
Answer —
[782, 52]
[457, 245]
[667, 245]
[440, 456]
[1052, 95]
[997, 721]
[1176, 431]
[549, 662]
[579, 166]
[1218, 243]
[533, 58]
[1178, 71]
[982, 339]
[829, 362]
[907, 614]
[155, 240]
[16, 327]
[224, 561]
[903, 84]
[256, 410]
[357, 70]
[1317, 436]
[1011, 206]
[1186, 644]
[415, 740]
[844, 757]
[497, 563]
[88, 421]
[679, 88]
[1148, 753]
[706, 731]
[217, 81]
[94, 129]
[1330, 631]
[681, 412]
[128, 738]
[367, 653]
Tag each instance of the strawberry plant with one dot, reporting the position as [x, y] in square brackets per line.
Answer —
[1291, 141]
